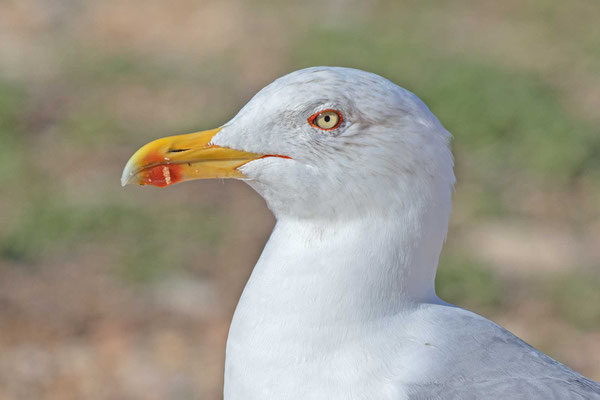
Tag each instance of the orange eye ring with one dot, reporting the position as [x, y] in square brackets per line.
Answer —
[313, 119]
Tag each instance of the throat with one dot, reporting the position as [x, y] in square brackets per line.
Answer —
[326, 272]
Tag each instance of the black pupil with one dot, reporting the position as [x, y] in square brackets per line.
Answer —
[327, 118]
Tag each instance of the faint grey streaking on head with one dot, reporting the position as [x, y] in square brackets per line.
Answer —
[341, 304]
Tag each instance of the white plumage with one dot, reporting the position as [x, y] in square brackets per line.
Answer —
[341, 304]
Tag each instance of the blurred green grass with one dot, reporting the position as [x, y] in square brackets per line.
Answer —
[146, 247]
[576, 297]
[12, 106]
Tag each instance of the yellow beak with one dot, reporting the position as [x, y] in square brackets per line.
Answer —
[174, 159]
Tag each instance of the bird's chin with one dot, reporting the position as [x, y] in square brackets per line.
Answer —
[267, 169]
[289, 187]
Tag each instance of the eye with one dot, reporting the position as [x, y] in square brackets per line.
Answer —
[326, 120]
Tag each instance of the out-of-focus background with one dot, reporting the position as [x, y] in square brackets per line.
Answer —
[127, 293]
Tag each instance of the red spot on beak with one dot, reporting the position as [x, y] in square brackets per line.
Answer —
[162, 175]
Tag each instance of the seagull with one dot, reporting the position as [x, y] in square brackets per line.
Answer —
[341, 304]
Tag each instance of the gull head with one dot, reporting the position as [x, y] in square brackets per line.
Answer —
[322, 142]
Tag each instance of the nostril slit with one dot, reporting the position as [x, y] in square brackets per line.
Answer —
[177, 150]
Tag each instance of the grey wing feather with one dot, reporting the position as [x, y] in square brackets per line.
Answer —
[482, 360]
[510, 388]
